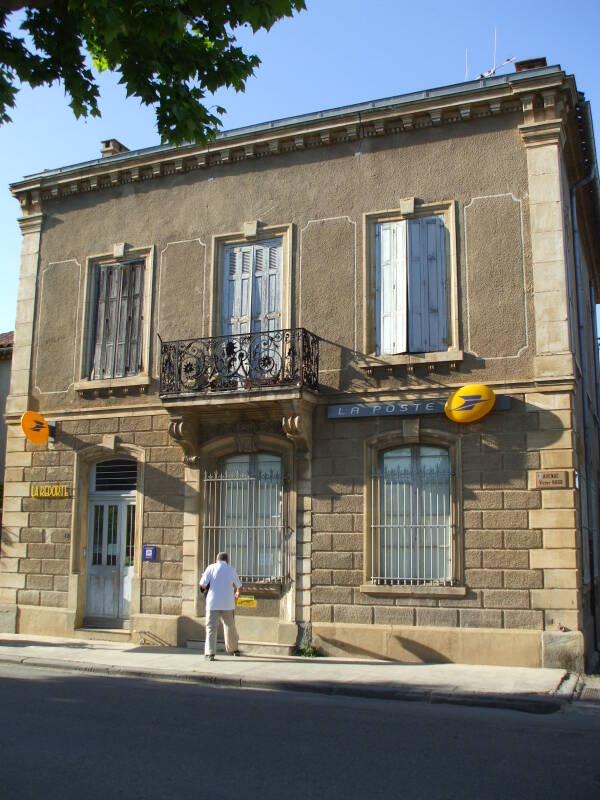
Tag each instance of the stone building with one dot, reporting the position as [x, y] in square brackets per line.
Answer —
[249, 346]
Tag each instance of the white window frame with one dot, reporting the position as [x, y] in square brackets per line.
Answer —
[446, 210]
[145, 255]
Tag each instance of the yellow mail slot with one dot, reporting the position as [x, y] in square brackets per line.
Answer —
[246, 600]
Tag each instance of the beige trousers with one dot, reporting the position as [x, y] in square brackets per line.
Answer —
[212, 625]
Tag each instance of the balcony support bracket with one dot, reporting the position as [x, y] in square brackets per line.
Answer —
[297, 426]
[186, 432]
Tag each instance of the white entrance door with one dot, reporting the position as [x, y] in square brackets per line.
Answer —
[111, 542]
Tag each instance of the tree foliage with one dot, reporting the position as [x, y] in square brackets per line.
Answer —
[169, 53]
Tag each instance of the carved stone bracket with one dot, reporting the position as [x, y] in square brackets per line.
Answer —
[186, 433]
[298, 427]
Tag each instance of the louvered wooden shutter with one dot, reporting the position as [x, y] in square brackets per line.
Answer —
[427, 290]
[117, 347]
[134, 355]
[101, 308]
[266, 286]
[237, 275]
[391, 287]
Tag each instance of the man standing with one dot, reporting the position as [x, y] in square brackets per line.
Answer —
[223, 586]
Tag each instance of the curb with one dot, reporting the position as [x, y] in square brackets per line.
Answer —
[530, 704]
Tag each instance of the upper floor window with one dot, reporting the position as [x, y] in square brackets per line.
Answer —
[411, 285]
[252, 291]
[117, 320]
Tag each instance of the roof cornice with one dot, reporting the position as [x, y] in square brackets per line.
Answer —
[403, 114]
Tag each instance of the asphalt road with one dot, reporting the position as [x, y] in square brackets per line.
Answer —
[79, 736]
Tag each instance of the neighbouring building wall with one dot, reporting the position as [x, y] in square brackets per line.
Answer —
[4, 385]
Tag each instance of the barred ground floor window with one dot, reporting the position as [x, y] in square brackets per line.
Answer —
[243, 515]
[411, 517]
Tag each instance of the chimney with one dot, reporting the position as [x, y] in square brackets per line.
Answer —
[111, 147]
[530, 63]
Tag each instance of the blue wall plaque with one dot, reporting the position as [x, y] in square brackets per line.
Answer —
[149, 554]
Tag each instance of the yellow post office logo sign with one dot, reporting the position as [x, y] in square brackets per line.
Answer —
[470, 403]
[35, 427]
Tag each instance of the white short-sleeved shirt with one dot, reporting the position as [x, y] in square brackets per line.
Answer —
[221, 578]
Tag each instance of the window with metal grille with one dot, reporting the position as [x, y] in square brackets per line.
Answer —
[411, 517]
[243, 516]
[117, 325]
[117, 475]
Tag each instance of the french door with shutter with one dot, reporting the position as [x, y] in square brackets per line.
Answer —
[252, 288]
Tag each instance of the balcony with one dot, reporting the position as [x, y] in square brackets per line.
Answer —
[267, 360]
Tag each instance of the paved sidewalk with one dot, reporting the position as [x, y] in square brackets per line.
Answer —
[520, 688]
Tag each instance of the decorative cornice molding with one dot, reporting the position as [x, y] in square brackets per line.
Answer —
[401, 117]
[537, 134]
[32, 223]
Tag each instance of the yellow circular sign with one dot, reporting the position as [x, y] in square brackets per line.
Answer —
[470, 403]
[35, 427]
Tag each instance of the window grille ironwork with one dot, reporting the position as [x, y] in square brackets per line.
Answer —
[261, 359]
[244, 516]
[411, 518]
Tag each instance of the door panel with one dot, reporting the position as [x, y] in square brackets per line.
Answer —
[111, 542]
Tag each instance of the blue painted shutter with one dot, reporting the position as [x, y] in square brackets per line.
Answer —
[427, 285]
[266, 286]
[390, 240]
[237, 276]
[252, 287]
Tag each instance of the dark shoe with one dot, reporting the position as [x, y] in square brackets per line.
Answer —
[235, 653]
[209, 658]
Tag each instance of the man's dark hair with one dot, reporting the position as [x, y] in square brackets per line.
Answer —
[223, 557]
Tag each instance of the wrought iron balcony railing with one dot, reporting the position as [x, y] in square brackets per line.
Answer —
[245, 361]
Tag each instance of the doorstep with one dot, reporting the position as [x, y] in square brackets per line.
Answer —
[103, 634]
[250, 648]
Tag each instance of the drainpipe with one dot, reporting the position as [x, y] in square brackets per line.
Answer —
[582, 352]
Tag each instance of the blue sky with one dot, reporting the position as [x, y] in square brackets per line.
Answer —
[337, 52]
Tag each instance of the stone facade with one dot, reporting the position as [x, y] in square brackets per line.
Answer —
[499, 165]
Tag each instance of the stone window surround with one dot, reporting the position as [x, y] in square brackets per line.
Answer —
[82, 470]
[412, 434]
[253, 233]
[410, 208]
[141, 380]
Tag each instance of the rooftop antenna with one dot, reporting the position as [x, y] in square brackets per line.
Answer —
[494, 69]
[466, 63]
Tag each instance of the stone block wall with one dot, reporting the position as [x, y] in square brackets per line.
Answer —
[36, 535]
[517, 542]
